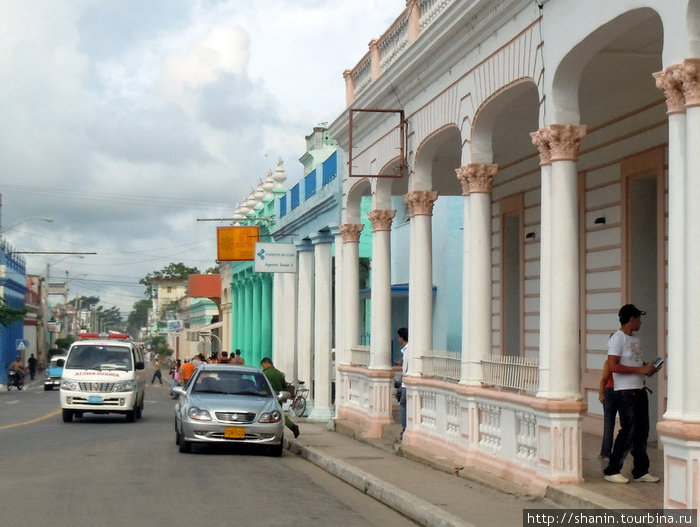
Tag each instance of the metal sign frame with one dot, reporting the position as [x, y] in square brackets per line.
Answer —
[403, 124]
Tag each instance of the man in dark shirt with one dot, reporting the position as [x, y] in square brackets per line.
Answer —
[279, 384]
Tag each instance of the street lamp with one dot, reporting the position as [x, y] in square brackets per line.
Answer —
[42, 218]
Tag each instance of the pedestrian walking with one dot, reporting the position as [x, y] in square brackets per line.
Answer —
[156, 372]
[32, 366]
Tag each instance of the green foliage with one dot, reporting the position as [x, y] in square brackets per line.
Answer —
[63, 343]
[138, 318]
[213, 270]
[8, 314]
[110, 318]
[159, 345]
[173, 271]
[85, 302]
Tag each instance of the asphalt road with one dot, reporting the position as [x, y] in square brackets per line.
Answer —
[101, 470]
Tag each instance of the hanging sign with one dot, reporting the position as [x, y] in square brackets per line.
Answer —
[236, 243]
[275, 258]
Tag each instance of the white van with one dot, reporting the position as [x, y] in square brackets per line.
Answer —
[103, 375]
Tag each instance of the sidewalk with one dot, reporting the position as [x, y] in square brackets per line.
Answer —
[433, 492]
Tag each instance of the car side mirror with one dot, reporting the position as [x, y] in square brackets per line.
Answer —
[283, 396]
[178, 390]
[140, 365]
[60, 363]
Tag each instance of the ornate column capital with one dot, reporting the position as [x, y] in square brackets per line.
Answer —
[690, 70]
[351, 232]
[564, 141]
[668, 81]
[480, 177]
[462, 175]
[381, 219]
[420, 202]
[540, 139]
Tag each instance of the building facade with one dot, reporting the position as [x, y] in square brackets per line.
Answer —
[561, 131]
[13, 287]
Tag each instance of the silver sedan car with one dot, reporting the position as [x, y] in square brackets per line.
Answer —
[229, 404]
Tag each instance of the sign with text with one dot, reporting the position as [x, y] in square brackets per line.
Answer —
[275, 258]
[236, 243]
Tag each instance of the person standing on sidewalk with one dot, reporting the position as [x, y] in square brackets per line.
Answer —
[628, 369]
[279, 384]
[403, 340]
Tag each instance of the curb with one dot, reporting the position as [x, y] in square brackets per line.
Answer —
[413, 507]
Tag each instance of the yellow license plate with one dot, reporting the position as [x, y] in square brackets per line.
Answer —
[234, 432]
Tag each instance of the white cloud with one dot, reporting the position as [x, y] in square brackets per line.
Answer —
[144, 116]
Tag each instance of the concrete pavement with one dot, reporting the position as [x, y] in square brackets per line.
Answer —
[433, 492]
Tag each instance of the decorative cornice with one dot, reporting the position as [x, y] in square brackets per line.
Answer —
[381, 219]
[690, 70]
[668, 81]
[564, 141]
[351, 232]
[420, 202]
[480, 177]
[462, 176]
[540, 139]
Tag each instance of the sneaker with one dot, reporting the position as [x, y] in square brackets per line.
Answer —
[616, 478]
[647, 478]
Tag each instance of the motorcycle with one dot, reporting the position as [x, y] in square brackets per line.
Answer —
[14, 378]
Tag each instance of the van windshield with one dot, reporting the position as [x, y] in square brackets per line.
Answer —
[92, 357]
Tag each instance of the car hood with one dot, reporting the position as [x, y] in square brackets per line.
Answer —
[236, 403]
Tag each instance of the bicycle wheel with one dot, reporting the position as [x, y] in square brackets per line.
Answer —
[299, 405]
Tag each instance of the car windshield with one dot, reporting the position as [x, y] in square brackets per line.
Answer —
[93, 357]
[232, 383]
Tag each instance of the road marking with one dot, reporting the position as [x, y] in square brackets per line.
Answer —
[47, 416]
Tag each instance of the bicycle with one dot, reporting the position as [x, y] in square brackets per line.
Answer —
[298, 404]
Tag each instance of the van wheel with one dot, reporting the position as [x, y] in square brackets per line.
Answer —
[139, 411]
[131, 416]
[67, 416]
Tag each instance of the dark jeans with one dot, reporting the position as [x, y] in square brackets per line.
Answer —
[609, 414]
[633, 406]
[157, 375]
[402, 409]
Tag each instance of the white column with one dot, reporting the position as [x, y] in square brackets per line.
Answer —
[541, 140]
[480, 180]
[380, 345]
[469, 372]
[561, 309]
[668, 80]
[420, 288]
[288, 349]
[350, 233]
[338, 339]
[691, 364]
[277, 317]
[305, 285]
[323, 311]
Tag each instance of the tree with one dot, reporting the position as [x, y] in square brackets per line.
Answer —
[159, 345]
[215, 269]
[138, 317]
[63, 343]
[173, 271]
[86, 302]
[8, 314]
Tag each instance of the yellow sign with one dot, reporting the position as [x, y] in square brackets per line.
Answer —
[236, 243]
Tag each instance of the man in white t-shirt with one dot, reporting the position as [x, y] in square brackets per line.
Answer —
[628, 369]
[406, 358]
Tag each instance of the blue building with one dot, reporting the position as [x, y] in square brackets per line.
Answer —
[13, 287]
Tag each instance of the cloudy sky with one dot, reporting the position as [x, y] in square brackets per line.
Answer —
[126, 120]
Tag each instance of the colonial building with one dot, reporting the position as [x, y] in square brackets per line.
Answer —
[560, 134]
